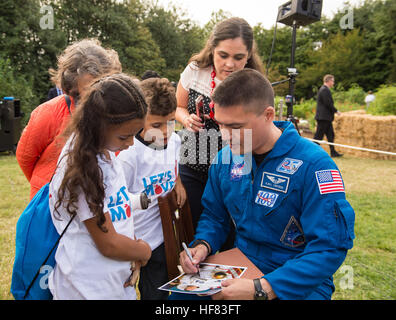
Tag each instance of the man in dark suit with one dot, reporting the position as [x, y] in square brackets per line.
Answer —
[54, 92]
[325, 111]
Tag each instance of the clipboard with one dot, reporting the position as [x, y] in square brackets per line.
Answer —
[236, 257]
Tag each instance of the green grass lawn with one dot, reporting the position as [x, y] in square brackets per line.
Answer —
[14, 197]
[371, 190]
[369, 271]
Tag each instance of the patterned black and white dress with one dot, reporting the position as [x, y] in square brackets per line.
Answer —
[199, 149]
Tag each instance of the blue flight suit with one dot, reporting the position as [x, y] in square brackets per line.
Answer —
[291, 216]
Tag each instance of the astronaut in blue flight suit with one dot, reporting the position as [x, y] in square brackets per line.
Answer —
[291, 216]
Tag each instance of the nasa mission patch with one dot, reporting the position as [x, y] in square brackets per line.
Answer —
[289, 166]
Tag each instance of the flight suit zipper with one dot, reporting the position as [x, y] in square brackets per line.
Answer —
[254, 173]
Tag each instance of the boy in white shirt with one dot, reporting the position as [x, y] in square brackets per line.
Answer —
[369, 98]
[151, 166]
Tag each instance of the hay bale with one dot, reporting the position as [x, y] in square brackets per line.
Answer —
[358, 129]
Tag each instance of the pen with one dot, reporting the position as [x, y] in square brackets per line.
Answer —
[189, 256]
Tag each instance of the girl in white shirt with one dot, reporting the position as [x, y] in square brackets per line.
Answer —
[93, 257]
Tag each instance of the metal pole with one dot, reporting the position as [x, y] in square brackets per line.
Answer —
[292, 76]
[280, 109]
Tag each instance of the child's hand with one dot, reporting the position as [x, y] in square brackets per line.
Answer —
[132, 279]
[181, 194]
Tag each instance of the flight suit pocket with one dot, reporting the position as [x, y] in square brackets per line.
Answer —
[345, 222]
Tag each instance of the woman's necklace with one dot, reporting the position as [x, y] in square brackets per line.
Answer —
[213, 86]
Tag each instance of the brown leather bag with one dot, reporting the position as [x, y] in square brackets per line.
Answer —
[177, 228]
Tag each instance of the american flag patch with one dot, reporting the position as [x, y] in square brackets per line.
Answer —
[329, 181]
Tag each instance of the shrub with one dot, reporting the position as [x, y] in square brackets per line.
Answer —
[354, 94]
[385, 101]
[302, 109]
[18, 87]
[305, 109]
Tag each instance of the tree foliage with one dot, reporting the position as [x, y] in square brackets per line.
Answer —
[16, 85]
[147, 35]
[116, 25]
[178, 37]
[364, 55]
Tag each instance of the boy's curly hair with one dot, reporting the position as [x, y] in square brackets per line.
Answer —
[160, 96]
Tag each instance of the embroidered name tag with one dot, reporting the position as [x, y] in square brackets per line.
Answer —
[275, 182]
[289, 166]
[266, 199]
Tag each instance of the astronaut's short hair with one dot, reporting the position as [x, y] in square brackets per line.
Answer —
[247, 88]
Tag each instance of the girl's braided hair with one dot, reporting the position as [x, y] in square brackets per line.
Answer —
[111, 100]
